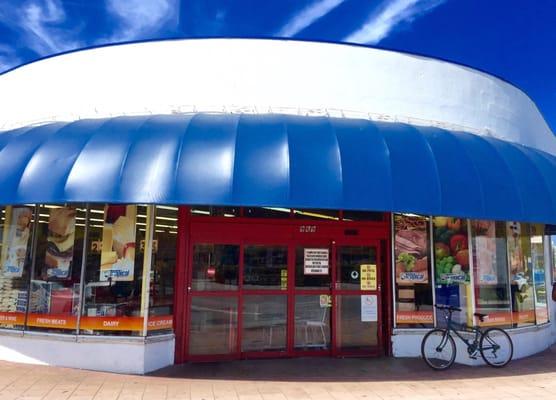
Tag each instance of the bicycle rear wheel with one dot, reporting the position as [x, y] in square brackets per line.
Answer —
[496, 347]
[438, 349]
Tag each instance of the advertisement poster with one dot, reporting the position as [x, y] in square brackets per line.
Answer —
[411, 249]
[117, 259]
[451, 251]
[369, 308]
[60, 242]
[484, 237]
[515, 253]
[316, 261]
[17, 232]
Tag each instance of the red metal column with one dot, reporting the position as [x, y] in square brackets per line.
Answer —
[180, 283]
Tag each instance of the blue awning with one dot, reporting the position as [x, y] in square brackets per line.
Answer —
[277, 160]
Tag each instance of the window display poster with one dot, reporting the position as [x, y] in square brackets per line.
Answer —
[60, 242]
[515, 252]
[117, 259]
[451, 251]
[411, 249]
[17, 232]
[484, 236]
[369, 308]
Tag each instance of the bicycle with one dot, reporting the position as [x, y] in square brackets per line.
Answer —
[438, 347]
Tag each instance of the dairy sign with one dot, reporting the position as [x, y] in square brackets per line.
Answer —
[316, 261]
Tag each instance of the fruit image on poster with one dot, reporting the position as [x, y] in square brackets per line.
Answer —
[17, 232]
[411, 249]
[451, 251]
[117, 259]
[60, 242]
[484, 242]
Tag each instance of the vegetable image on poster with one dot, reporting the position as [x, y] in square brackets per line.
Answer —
[451, 251]
[60, 242]
[411, 249]
[17, 232]
[117, 260]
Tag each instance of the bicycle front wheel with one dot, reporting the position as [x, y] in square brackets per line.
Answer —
[496, 347]
[438, 349]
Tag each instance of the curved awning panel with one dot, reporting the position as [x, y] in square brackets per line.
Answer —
[280, 161]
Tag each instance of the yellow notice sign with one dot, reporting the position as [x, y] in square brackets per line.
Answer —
[368, 277]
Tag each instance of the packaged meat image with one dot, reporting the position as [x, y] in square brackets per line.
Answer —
[411, 249]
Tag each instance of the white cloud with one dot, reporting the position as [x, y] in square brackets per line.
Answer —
[138, 19]
[39, 24]
[308, 16]
[383, 20]
[8, 58]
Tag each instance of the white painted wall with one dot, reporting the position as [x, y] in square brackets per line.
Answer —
[122, 355]
[527, 341]
[256, 75]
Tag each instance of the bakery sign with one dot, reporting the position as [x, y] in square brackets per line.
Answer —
[316, 261]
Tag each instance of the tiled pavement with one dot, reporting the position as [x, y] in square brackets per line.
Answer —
[307, 379]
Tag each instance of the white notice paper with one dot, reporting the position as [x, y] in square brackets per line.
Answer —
[316, 261]
[369, 308]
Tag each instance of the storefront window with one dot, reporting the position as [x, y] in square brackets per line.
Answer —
[539, 274]
[451, 269]
[521, 273]
[16, 229]
[414, 303]
[265, 267]
[490, 268]
[215, 267]
[351, 215]
[317, 214]
[114, 271]
[553, 255]
[267, 212]
[212, 211]
[163, 264]
[54, 298]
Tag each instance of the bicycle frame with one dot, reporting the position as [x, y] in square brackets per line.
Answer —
[472, 345]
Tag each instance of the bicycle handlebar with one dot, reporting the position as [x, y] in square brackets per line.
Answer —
[445, 307]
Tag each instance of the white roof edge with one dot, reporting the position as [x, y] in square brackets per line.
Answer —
[262, 76]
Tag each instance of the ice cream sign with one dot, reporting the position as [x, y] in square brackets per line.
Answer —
[316, 261]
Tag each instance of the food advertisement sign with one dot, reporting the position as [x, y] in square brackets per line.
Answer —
[411, 249]
[117, 260]
[17, 232]
[60, 242]
[451, 251]
[484, 242]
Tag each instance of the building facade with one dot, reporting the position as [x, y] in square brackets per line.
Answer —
[214, 199]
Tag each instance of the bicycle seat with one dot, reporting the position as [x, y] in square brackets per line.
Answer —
[481, 316]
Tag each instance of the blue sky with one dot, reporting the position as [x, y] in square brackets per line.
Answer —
[514, 39]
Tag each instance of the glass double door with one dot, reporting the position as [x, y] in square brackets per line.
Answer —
[258, 298]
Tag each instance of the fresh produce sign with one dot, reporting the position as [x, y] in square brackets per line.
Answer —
[451, 251]
[411, 249]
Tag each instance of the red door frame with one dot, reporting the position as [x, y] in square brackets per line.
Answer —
[291, 232]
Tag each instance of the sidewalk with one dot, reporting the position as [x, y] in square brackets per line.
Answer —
[307, 379]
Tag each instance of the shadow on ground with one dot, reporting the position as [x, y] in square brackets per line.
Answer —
[351, 369]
